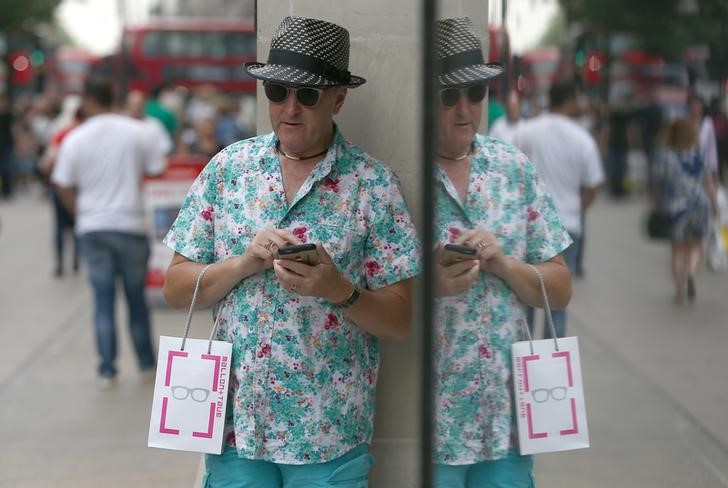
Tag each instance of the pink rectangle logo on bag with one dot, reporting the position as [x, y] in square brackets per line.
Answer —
[553, 394]
[210, 393]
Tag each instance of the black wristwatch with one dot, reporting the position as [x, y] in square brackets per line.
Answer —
[351, 299]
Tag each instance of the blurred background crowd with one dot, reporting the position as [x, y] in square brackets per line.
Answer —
[178, 65]
[638, 65]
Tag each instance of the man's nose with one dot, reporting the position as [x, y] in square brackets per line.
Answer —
[291, 104]
[463, 105]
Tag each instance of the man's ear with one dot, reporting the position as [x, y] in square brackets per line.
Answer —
[340, 97]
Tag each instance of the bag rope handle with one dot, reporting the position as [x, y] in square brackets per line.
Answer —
[547, 310]
[192, 307]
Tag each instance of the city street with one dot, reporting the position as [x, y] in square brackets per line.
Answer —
[655, 374]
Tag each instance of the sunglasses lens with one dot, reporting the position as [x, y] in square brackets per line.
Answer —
[308, 97]
[276, 93]
[449, 96]
[476, 93]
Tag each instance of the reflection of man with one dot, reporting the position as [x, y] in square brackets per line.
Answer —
[491, 200]
[305, 349]
[567, 159]
[99, 173]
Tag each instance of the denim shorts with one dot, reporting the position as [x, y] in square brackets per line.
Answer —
[513, 471]
[229, 471]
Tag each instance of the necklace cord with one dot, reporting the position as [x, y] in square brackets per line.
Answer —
[294, 158]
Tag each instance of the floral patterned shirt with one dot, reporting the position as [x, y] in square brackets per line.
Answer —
[475, 330]
[303, 375]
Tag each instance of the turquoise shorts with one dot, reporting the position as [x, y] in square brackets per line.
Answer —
[229, 471]
[513, 471]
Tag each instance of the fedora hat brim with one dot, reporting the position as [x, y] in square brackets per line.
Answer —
[470, 74]
[295, 76]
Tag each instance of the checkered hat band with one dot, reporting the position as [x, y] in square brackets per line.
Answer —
[461, 60]
[308, 63]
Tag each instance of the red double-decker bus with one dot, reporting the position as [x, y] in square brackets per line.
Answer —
[185, 52]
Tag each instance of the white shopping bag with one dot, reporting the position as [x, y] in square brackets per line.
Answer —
[551, 414]
[190, 392]
[550, 408]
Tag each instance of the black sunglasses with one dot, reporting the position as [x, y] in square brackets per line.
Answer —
[306, 96]
[449, 97]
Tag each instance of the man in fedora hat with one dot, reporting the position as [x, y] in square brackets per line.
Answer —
[491, 201]
[305, 336]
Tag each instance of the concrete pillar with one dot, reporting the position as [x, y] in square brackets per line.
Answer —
[383, 117]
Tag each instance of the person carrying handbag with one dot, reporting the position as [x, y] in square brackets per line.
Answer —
[687, 196]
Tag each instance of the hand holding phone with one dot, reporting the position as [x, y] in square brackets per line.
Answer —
[303, 253]
[454, 253]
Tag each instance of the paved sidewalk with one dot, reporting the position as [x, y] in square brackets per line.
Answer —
[655, 374]
[57, 428]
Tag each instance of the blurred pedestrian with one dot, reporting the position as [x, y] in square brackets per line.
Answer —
[305, 336]
[617, 149]
[201, 105]
[63, 219]
[154, 108]
[202, 140]
[686, 194]
[99, 174]
[227, 128]
[491, 200]
[567, 158]
[136, 102]
[504, 128]
[25, 151]
[7, 175]
[720, 125]
[703, 124]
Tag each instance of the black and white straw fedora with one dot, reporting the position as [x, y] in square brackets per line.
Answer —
[307, 52]
[460, 54]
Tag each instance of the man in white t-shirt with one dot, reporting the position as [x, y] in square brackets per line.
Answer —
[568, 161]
[99, 174]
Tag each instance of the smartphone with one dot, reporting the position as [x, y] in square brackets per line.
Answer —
[303, 253]
[453, 253]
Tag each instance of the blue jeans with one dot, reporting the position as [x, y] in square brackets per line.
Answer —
[571, 256]
[108, 256]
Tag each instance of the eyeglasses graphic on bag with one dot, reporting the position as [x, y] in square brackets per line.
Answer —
[450, 97]
[306, 96]
[182, 392]
[557, 393]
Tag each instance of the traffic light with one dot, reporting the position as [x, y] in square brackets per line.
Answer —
[37, 58]
[22, 70]
[593, 68]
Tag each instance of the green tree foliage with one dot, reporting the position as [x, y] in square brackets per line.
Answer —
[15, 13]
[663, 26]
